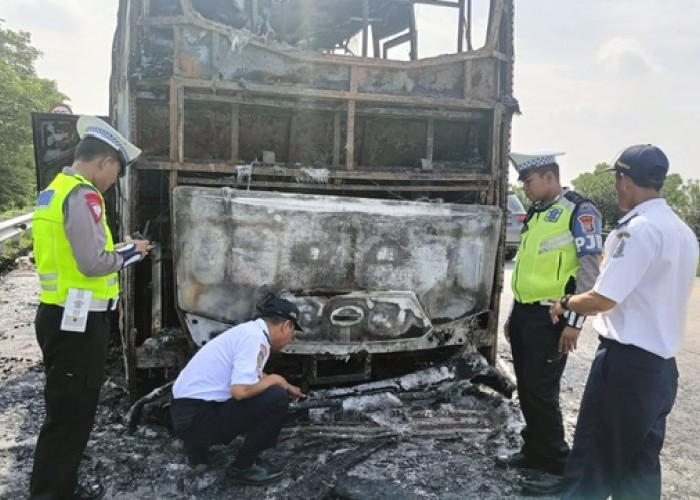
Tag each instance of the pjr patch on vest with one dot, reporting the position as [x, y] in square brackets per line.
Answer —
[587, 230]
[553, 215]
[44, 199]
[94, 203]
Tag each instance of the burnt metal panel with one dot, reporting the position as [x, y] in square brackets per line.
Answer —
[157, 52]
[483, 80]
[430, 81]
[256, 64]
[195, 55]
[320, 248]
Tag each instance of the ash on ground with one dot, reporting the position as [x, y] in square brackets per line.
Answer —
[429, 435]
[376, 445]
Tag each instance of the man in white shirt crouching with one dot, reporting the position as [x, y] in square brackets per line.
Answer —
[223, 393]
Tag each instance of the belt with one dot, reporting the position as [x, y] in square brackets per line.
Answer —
[631, 347]
[100, 305]
[546, 303]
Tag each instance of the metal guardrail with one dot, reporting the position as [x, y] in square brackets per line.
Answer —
[14, 228]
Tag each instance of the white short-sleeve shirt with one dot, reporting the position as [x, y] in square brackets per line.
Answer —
[235, 357]
[649, 271]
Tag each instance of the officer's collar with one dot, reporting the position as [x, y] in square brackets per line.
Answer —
[74, 173]
[640, 209]
[541, 206]
[263, 326]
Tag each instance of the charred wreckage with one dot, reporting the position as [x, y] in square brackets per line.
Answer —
[320, 149]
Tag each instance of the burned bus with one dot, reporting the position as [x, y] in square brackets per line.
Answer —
[349, 154]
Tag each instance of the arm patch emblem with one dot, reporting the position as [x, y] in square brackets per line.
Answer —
[94, 203]
[587, 222]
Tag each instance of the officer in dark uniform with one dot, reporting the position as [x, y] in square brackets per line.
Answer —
[559, 253]
[77, 263]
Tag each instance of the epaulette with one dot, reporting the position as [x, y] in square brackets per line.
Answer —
[575, 197]
[625, 222]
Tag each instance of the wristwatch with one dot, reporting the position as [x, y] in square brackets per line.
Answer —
[564, 301]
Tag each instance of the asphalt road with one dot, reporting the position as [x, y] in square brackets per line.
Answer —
[680, 458]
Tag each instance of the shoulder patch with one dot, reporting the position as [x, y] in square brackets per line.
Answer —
[44, 199]
[620, 248]
[587, 222]
[94, 203]
[575, 197]
[262, 355]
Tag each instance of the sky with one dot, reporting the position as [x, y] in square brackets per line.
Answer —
[592, 77]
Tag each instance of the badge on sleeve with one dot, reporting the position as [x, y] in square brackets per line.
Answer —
[94, 203]
[587, 222]
[262, 356]
[587, 231]
[620, 248]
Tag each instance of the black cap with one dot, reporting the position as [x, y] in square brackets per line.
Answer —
[281, 308]
[645, 164]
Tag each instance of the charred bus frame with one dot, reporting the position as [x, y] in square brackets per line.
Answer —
[250, 96]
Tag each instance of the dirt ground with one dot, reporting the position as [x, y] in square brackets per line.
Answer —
[437, 449]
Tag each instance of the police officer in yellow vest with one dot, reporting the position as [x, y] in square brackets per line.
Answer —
[559, 253]
[77, 263]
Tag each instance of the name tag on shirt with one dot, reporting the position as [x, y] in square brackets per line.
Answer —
[75, 312]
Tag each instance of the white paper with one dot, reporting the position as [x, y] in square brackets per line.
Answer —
[75, 312]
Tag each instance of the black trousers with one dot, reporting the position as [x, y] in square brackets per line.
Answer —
[621, 425]
[539, 365]
[74, 364]
[204, 423]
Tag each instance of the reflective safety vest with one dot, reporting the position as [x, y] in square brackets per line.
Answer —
[57, 268]
[547, 257]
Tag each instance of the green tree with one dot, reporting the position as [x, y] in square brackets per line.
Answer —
[21, 92]
[674, 193]
[600, 188]
[690, 212]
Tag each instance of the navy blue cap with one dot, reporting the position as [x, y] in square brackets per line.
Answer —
[646, 164]
[281, 308]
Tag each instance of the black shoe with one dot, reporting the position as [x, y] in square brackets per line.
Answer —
[547, 484]
[88, 492]
[197, 454]
[518, 461]
[522, 461]
[253, 475]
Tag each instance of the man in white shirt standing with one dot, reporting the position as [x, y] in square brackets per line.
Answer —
[646, 279]
[223, 392]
